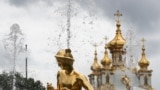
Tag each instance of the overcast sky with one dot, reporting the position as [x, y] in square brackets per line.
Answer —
[43, 23]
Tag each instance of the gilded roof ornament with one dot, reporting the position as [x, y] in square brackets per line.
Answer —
[95, 65]
[118, 14]
[106, 61]
[143, 63]
[143, 40]
[105, 38]
[118, 40]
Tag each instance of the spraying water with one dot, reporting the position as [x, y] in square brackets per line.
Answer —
[64, 32]
[131, 48]
[14, 44]
[69, 9]
[68, 23]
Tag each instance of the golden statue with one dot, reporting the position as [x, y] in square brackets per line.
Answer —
[68, 78]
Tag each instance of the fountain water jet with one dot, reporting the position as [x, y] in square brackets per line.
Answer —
[14, 44]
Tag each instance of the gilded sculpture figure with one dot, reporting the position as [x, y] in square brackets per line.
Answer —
[67, 77]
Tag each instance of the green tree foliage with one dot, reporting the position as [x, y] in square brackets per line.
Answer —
[22, 83]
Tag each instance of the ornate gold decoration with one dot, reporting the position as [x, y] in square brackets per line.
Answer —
[118, 14]
[116, 46]
[118, 40]
[106, 38]
[95, 65]
[106, 61]
[143, 63]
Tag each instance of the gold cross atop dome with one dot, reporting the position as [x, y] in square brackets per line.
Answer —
[118, 14]
[106, 45]
[105, 38]
[143, 40]
[95, 45]
[143, 63]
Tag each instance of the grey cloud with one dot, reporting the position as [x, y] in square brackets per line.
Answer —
[5, 59]
[21, 3]
[152, 48]
[24, 3]
[144, 15]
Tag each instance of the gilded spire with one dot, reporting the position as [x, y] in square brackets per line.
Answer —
[95, 65]
[118, 14]
[105, 38]
[143, 63]
[118, 40]
[106, 61]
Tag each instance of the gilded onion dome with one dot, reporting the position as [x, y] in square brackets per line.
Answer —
[143, 63]
[118, 41]
[106, 61]
[95, 64]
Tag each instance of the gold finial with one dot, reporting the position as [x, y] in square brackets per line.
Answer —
[105, 38]
[118, 14]
[118, 41]
[95, 64]
[95, 45]
[143, 40]
[143, 63]
[106, 61]
[106, 45]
